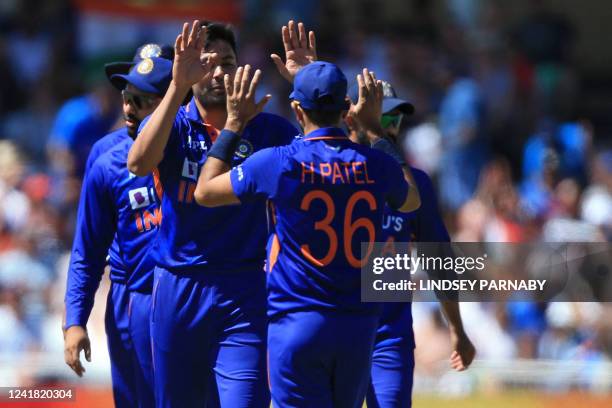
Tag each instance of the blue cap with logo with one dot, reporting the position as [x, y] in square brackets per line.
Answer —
[320, 86]
[149, 50]
[152, 75]
[390, 100]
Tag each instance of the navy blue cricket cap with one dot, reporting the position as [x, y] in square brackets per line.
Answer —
[152, 75]
[320, 86]
[144, 51]
[390, 99]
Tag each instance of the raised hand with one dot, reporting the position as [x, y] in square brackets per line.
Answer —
[368, 109]
[241, 104]
[188, 66]
[299, 50]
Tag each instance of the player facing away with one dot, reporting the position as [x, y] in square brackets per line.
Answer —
[118, 207]
[327, 195]
[209, 305]
[393, 356]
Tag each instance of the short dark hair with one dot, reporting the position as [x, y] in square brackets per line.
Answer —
[324, 118]
[219, 31]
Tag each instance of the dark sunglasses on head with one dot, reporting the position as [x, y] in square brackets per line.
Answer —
[138, 101]
[390, 121]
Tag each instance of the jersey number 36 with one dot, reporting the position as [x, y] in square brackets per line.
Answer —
[349, 228]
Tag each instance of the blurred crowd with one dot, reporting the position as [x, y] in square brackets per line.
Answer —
[497, 127]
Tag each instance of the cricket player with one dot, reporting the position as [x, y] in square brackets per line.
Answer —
[116, 206]
[327, 195]
[132, 121]
[393, 357]
[208, 315]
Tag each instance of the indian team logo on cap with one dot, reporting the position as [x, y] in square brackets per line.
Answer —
[150, 50]
[145, 66]
[244, 149]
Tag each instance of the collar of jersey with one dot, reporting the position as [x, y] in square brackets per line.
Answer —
[192, 113]
[326, 133]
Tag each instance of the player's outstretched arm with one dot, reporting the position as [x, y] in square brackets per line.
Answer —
[214, 186]
[366, 113]
[300, 50]
[463, 349]
[189, 67]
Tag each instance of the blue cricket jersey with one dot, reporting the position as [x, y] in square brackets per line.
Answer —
[103, 145]
[196, 238]
[327, 196]
[114, 201]
[422, 225]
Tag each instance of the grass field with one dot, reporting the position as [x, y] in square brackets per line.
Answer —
[517, 400]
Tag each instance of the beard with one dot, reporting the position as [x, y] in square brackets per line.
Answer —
[210, 98]
[132, 128]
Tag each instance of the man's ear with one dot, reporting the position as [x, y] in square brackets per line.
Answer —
[299, 113]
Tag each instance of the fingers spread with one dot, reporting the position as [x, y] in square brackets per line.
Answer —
[277, 61]
[245, 79]
[362, 88]
[184, 36]
[202, 34]
[286, 39]
[238, 80]
[302, 36]
[195, 28]
[293, 37]
[177, 43]
[254, 84]
[260, 105]
[367, 79]
[228, 85]
[313, 43]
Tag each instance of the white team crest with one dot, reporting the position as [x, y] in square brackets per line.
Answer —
[388, 91]
[139, 198]
[190, 170]
[150, 50]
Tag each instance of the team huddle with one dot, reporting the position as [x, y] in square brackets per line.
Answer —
[233, 239]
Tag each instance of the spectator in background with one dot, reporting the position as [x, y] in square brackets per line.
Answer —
[80, 122]
[460, 119]
[554, 152]
[596, 204]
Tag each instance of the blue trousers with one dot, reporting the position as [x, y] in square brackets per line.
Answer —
[320, 359]
[392, 374]
[129, 347]
[205, 325]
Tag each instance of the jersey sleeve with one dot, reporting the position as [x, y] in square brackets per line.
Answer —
[430, 226]
[397, 186]
[173, 139]
[95, 228]
[258, 176]
[93, 155]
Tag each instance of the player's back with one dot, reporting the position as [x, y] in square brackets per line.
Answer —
[330, 198]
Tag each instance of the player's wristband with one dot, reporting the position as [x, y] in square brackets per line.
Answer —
[390, 148]
[225, 146]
